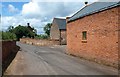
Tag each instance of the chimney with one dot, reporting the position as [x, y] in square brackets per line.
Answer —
[28, 24]
[86, 3]
[67, 19]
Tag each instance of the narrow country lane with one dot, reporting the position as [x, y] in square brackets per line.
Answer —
[52, 60]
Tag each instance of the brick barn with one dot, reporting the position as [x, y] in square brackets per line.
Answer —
[92, 33]
[58, 30]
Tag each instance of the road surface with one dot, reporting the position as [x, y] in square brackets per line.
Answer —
[52, 60]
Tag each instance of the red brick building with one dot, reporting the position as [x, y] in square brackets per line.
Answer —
[92, 33]
[58, 30]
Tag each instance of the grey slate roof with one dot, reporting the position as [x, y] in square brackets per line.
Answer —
[93, 8]
[60, 22]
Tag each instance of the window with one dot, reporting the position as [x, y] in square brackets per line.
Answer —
[84, 35]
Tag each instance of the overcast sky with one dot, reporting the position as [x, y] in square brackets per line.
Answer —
[36, 13]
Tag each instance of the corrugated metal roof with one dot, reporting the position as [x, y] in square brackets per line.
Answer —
[93, 8]
[60, 22]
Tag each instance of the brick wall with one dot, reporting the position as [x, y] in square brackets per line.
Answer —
[102, 37]
[7, 48]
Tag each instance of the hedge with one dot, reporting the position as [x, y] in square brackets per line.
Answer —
[8, 36]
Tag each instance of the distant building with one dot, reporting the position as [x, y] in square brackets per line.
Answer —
[92, 32]
[58, 30]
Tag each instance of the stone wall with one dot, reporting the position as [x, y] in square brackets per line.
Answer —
[63, 37]
[102, 37]
[39, 42]
[54, 32]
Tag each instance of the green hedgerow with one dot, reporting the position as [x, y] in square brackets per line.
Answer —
[8, 36]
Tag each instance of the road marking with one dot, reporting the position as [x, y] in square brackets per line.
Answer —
[41, 58]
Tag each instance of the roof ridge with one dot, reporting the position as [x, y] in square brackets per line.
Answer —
[82, 8]
[59, 18]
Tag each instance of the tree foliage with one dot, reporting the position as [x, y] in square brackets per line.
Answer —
[47, 28]
[10, 29]
[22, 31]
[8, 36]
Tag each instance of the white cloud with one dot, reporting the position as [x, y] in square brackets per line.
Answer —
[48, 10]
[12, 9]
[40, 13]
[19, 20]
[30, 9]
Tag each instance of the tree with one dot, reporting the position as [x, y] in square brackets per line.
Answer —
[21, 31]
[47, 28]
[32, 30]
[35, 31]
[10, 29]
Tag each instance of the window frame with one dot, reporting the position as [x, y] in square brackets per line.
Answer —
[84, 36]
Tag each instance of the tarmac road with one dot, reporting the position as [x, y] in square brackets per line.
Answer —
[52, 60]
